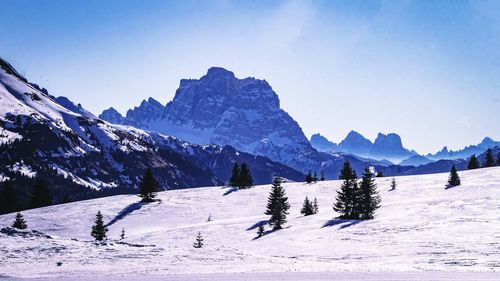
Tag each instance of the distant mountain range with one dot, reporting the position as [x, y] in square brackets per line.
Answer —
[386, 147]
[390, 147]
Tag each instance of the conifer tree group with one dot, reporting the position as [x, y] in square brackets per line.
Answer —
[454, 179]
[473, 163]
[322, 178]
[148, 187]
[241, 177]
[8, 199]
[99, 230]
[309, 207]
[277, 205]
[19, 222]
[498, 159]
[380, 174]
[356, 201]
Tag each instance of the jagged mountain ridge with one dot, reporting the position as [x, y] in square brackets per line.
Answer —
[221, 109]
[466, 152]
[385, 147]
[73, 149]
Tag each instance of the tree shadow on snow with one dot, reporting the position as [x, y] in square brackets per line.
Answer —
[269, 231]
[448, 186]
[125, 212]
[231, 190]
[255, 225]
[343, 223]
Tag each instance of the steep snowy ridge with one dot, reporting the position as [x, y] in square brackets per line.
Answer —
[421, 227]
[466, 152]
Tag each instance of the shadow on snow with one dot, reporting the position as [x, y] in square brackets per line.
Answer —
[125, 212]
[343, 223]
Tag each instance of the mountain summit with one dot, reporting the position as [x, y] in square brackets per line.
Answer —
[221, 109]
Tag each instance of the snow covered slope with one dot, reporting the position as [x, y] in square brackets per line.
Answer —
[421, 226]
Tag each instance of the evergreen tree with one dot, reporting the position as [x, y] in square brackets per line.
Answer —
[8, 199]
[307, 208]
[19, 222]
[393, 184]
[322, 176]
[122, 235]
[41, 196]
[380, 174]
[199, 241]
[99, 230]
[65, 199]
[489, 162]
[260, 230]
[498, 159]
[369, 199]
[315, 177]
[348, 195]
[309, 177]
[454, 179]
[277, 205]
[148, 187]
[245, 179]
[347, 172]
[473, 163]
[315, 206]
[235, 176]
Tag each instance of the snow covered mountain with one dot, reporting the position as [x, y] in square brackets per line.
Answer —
[79, 154]
[466, 152]
[421, 228]
[388, 147]
[221, 109]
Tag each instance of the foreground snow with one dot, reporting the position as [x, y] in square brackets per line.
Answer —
[421, 227]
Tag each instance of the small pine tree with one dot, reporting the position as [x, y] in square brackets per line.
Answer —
[369, 199]
[148, 187]
[380, 174]
[309, 177]
[323, 178]
[315, 206]
[277, 205]
[260, 230]
[489, 162]
[454, 179]
[393, 184]
[347, 196]
[315, 177]
[99, 230]
[19, 222]
[199, 241]
[307, 208]
[235, 176]
[122, 235]
[245, 179]
[209, 219]
[41, 196]
[473, 163]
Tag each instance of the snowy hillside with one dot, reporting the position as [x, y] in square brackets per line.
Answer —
[421, 226]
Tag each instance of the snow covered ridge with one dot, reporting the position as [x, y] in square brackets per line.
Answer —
[421, 227]
[79, 153]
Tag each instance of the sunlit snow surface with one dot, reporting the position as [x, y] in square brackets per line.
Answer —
[421, 226]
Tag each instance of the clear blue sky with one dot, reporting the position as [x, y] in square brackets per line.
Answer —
[427, 70]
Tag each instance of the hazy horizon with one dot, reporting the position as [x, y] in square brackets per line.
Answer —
[426, 70]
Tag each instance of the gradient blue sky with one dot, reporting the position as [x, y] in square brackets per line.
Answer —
[427, 70]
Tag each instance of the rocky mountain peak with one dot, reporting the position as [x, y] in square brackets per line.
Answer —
[390, 140]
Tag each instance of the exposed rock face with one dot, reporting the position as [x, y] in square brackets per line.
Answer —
[320, 143]
[221, 109]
